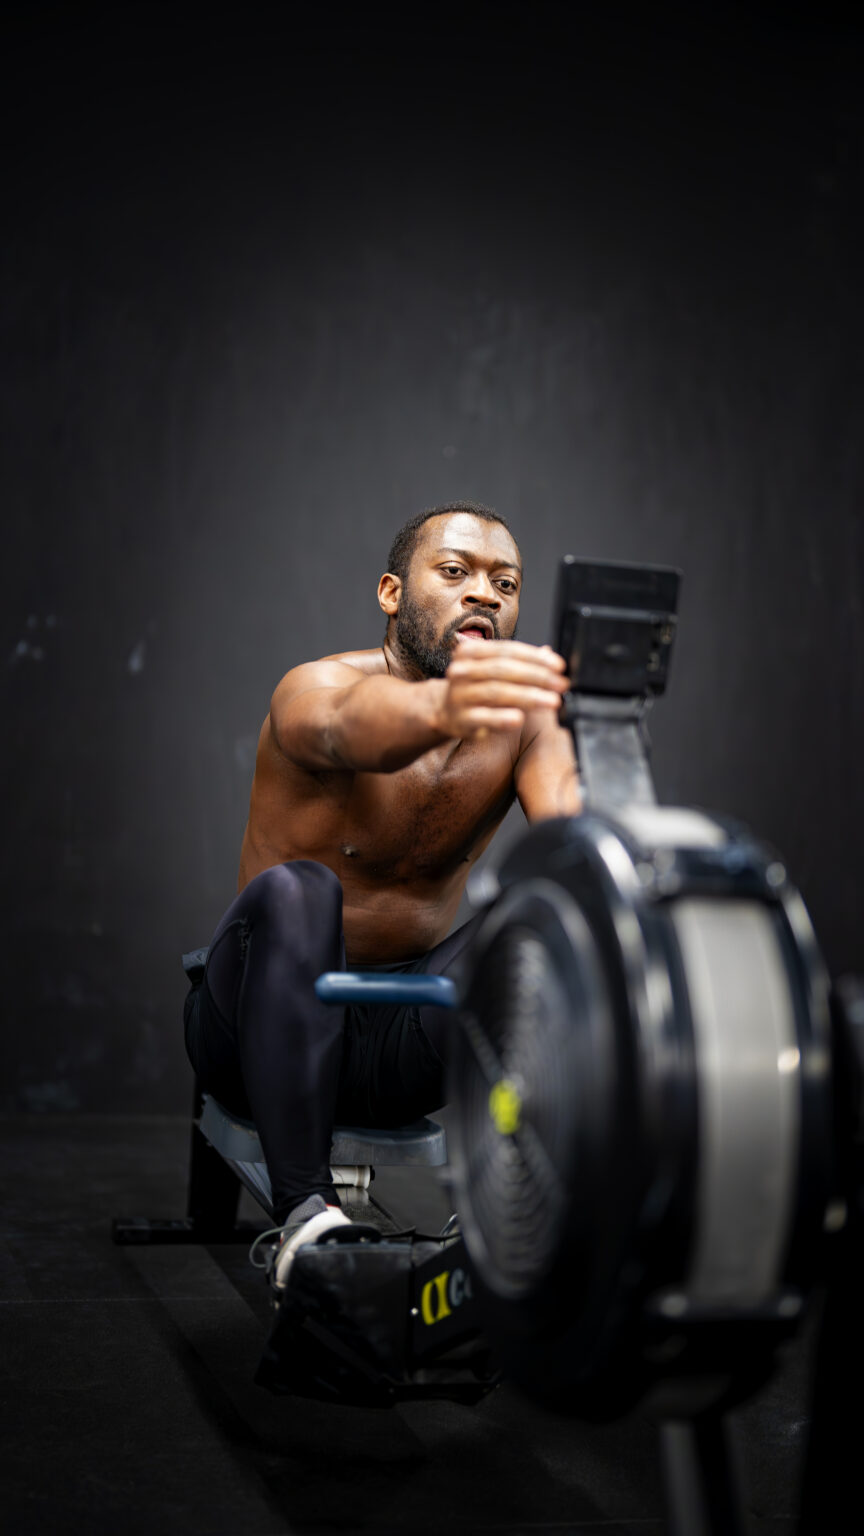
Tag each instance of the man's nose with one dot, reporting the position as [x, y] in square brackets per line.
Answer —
[482, 591]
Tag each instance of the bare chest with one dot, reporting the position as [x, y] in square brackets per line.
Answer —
[429, 817]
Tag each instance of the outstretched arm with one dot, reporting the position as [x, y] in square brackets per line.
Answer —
[546, 775]
[324, 716]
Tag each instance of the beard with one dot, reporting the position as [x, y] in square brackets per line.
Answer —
[416, 643]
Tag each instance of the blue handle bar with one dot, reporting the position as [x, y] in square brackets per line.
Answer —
[361, 987]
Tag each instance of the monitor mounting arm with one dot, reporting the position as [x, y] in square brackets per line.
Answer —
[614, 625]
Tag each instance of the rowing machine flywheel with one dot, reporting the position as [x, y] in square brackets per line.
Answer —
[640, 1091]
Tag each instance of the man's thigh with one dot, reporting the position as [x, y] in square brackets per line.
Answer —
[394, 1061]
[279, 931]
[391, 1073]
[445, 960]
[211, 1041]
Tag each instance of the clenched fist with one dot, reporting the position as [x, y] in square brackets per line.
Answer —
[492, 684]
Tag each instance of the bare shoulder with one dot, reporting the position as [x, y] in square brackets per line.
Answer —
[368, 662]
[338, 671]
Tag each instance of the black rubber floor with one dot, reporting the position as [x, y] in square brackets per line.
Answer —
[129, 1405]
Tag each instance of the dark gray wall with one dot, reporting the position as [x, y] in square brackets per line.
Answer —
[267, 291]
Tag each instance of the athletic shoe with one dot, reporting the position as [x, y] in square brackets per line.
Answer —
[307, 1223]
[310, 1223]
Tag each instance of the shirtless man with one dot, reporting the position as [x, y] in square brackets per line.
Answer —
[380, 778]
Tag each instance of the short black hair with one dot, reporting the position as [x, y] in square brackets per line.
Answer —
[405, 542]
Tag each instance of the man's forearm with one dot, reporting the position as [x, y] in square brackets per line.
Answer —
[379, 724]
[385, 723]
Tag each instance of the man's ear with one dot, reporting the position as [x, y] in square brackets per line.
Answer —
[389, 593]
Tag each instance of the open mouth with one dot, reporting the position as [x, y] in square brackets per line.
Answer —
[475, 629]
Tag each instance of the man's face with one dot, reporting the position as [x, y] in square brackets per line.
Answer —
[465, 579]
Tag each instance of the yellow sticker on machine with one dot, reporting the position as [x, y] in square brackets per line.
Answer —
[505, 1106]
[442, 1294]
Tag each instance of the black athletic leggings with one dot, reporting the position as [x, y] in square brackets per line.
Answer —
[264, 1045]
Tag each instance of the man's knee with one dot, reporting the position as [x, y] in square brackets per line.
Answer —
[278, 895]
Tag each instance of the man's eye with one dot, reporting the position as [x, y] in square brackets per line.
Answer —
[452, 570]
[507, 585]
